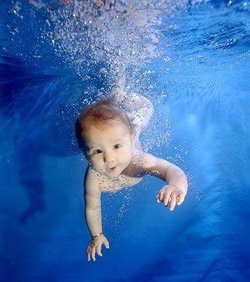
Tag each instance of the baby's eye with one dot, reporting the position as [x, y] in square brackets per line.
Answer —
[117, 146]
[97, 151]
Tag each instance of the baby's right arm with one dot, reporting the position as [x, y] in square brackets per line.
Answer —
[93, 215]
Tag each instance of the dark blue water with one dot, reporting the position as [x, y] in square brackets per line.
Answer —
[200, 90]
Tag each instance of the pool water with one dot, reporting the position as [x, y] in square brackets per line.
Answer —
[191, 59]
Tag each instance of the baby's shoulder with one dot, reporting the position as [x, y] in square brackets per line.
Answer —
[143, 161]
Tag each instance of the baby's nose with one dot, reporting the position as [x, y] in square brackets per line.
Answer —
[108, 158]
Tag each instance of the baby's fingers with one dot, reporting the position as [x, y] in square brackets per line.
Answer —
[92, 254]
[99, 250]
[172, 202]
[89, 254]
[158, 198]
[163, 197]
[106, 243]
[166, 198]
[180, 199]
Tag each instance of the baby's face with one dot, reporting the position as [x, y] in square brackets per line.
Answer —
[109, 147]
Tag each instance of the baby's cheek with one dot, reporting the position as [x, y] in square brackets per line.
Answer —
[91, 162]
[127, 156]
[97, 162]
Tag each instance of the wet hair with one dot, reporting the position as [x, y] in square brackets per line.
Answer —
[99, 114]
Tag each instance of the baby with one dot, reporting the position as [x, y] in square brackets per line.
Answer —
[108, 132]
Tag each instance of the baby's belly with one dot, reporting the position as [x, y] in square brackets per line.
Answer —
[114, 185]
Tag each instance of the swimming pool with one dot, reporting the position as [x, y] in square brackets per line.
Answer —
[195, 70]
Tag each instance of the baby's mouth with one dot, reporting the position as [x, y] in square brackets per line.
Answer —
[112, 169]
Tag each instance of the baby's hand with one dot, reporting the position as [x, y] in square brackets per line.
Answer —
[96, 247]
[171, 195]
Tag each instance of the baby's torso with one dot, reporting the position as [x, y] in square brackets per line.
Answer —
[115, 184]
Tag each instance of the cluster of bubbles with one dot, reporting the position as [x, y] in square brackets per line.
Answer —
[114, 33]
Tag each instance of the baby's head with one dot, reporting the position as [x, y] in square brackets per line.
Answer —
[106, 135]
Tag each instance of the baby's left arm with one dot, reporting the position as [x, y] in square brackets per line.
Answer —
[176, 189]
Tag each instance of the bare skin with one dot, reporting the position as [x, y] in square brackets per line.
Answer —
[116, 161]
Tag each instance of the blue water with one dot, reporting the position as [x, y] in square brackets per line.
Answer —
[200, 90]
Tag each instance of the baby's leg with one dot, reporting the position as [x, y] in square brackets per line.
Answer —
[139, 109]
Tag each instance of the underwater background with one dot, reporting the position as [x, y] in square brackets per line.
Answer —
[191, 59]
